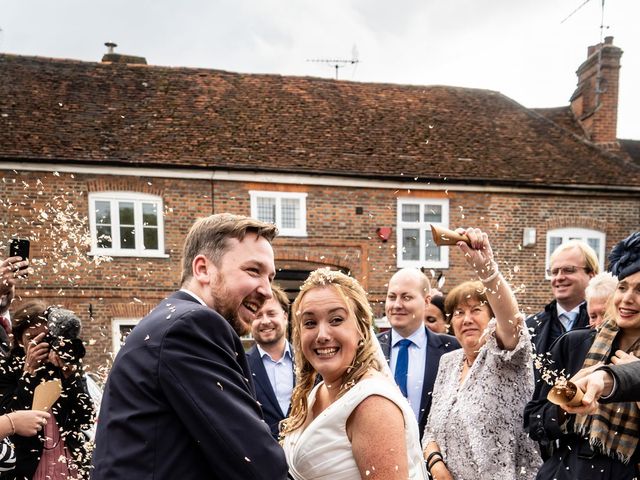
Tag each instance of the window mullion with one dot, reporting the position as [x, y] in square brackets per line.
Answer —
[137, 225]
[115, 224]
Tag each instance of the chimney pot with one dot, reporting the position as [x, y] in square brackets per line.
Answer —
[110, 46]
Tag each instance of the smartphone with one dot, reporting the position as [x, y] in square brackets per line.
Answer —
[19, 247]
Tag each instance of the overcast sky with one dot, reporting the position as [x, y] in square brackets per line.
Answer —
[520, 48]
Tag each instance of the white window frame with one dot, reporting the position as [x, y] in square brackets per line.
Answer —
[579, 234]
[422, 227]
[138, 199]
[301, 230]
[116, 323]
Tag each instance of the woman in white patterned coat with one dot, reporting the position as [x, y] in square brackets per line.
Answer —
[474, 431]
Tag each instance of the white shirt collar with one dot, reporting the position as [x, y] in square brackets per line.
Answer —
[418, 338]
[194, 296]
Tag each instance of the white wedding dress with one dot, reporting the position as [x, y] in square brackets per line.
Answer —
[321, 449]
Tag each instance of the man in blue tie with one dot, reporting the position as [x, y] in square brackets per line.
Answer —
[571, 266]
[412, 350]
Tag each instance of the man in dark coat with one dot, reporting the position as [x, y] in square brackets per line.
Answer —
[271, 359]
[179, 401]
[572, 265]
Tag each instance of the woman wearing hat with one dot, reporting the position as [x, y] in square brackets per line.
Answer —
[602, 444]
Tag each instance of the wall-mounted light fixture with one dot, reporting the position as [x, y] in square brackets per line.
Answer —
[528, 237]
[383, 233]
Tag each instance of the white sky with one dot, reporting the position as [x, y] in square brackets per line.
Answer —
[517, 47]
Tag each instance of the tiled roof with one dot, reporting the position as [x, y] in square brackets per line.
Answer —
[72, 111]
[632, 148]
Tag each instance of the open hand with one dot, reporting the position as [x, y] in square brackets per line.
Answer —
[36, 353]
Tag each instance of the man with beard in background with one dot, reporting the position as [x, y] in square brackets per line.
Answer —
[271, 359]
[179, 401]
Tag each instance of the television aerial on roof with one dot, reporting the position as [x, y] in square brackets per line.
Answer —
[339, 63]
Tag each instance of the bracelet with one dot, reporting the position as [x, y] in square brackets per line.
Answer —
[13, 425]
[433, 454]
[429, 467]
[494, 275]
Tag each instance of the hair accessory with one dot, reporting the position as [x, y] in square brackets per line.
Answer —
[624, 259]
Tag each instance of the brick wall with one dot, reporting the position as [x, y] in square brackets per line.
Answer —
[337, 237]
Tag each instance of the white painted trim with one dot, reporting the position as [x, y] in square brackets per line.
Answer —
[116, 323]
[422, 227]
[301, 230]
[583, 234]
[137, 198]
[314, 179]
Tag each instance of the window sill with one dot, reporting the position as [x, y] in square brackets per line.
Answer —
[128, 254]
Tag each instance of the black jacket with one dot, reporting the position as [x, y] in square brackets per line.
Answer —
[569, 456]
[545, 327]
[271, 410]
[627, 382]
[180, 404]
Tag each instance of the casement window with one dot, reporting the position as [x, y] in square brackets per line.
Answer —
[120, 328]
[415, 246]
[287, 210]
[126, 224]
[593, 238]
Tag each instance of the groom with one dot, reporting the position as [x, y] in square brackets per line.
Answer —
[179, 402]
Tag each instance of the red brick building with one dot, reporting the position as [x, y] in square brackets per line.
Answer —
[119, 159]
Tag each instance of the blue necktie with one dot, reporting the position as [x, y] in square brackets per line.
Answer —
[402, 365]
[570, 318]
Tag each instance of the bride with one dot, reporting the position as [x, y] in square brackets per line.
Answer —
[355, 423]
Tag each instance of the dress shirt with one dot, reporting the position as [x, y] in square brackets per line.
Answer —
[280, 375]
[417, 365]
[568, 318]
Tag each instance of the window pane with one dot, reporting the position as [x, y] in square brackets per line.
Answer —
[410, 249]
[410, 213]
[149, 214]
[126, 213]
[125, 330]
[103, 212]
[127, 237]
[433, 213]
[431, 250]
[150, 238]
[290, 212]
[103, 236]
[595, 244]
[267, 209]
[554, 242]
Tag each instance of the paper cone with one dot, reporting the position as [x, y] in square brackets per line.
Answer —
[565, 393]
[444, 236]
[46, 394]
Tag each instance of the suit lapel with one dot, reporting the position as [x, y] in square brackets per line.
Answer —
[434, 352]
[261, 378]
[385, 344]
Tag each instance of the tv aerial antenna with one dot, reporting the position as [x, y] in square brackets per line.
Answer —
[599, 80]
[338, 63]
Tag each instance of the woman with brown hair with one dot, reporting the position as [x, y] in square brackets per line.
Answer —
[475, 429]
[334, 430]
[47, 347]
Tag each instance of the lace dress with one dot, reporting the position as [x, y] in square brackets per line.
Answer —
[322, 450]
[478, 424]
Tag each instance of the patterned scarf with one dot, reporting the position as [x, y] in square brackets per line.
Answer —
[613, 428]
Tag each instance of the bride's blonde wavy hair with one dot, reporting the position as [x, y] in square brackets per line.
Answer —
[365, 359]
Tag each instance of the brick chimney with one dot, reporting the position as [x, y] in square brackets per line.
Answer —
[595, 101]
[112, 57]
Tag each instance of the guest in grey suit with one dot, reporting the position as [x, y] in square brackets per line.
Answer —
[271, 359]
[407, 299]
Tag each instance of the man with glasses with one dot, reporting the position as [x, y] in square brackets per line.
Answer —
[571, 266]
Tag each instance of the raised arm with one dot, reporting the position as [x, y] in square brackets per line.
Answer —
[479, 257]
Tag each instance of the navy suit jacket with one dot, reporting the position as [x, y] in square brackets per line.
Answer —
[273, 414]
[179, 403]
[437, 345]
